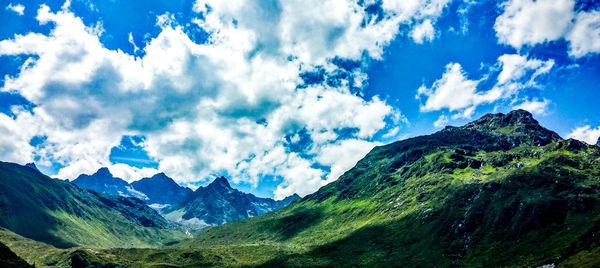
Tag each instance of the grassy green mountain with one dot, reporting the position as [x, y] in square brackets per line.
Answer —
[10, 259]
[500, 191]
[61, 214]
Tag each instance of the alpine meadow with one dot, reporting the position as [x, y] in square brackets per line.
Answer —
[299, 133]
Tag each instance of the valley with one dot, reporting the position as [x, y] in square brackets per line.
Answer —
[499, 191]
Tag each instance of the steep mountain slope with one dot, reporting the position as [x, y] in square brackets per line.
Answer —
[500, 191]
[10, 259]
[214, 204]
[62, 214]
[218, 203]
[104, 182]
[160, 189]
[32, 165]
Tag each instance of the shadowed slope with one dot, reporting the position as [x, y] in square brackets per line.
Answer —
[62, 214]
[499, 191]
[218, 203]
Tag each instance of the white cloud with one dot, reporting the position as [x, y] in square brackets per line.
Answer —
[223, 106]
[391, 133]
[453, 91]
[423, 32]
[129, 173]
[529, 22]
[343, 155]
[132, 42]
[456, 92]
[515, 67]
[13, 146]
[18, 8]
[534, 106]
[326, 29]
[441, 122]
[585, 133]
[584, 37]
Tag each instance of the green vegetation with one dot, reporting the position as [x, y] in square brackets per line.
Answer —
[472, 196]
[10, 259]
[539, 213]
[64, 215]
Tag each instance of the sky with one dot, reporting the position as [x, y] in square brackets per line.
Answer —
[281, 97]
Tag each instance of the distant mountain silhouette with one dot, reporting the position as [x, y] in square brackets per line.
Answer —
[218, 203]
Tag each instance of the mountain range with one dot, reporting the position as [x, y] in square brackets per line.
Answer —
[218, 203]
[214, 204]
[59, 213]
[501, 191]
[103, 182]
[160, 189]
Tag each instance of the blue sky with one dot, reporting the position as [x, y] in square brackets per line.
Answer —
[280, 96]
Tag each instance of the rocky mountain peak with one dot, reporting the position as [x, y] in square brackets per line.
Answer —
[161, 189]
[104, 172]
[161, 177]
[220, 182]
[291, 198]
[32, 166]
[491, 122]
[518, 123]
[598, 142]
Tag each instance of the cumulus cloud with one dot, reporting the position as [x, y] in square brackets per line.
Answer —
[18, 8]
[392, 133]
[584, 37]
[515, 67]
[441, 122]
[458, 93]
[232, 104]
[529, 22]
[333, 153]
[585, 133]
[423, 32]
[453, 91]
[534, 106]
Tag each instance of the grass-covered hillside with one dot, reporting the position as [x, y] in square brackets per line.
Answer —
[61, 214]
[501, 191]
[10, 259]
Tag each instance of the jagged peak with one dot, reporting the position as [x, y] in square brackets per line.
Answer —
[516, 123]
[32, 165]
[514, 118]
[598, 142]
[161, 176]
[220, 181]
[103, 171]
[293, 197]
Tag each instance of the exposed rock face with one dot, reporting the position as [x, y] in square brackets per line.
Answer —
[214, 204]
[103, 182]
[33, 166]
[219, 203]
[518, 123]
[160, 189]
